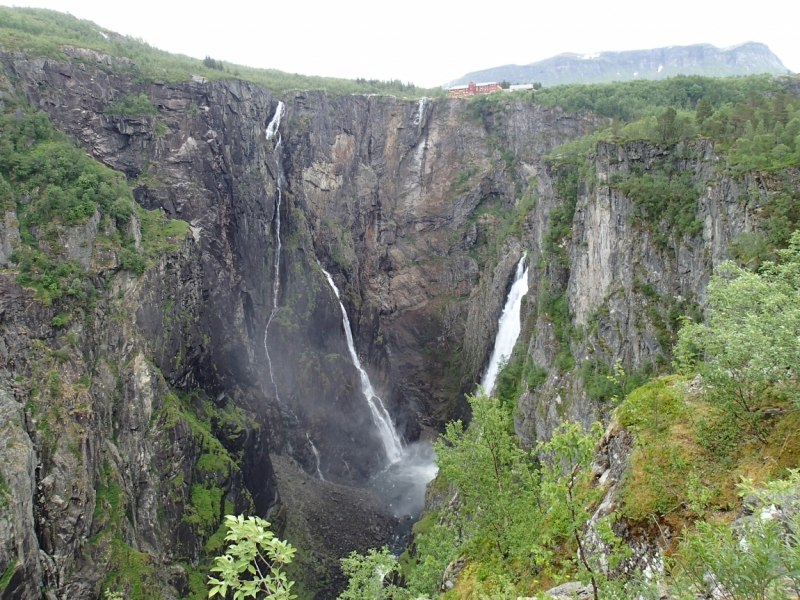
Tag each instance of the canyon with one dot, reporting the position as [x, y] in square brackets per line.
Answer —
[336, 292]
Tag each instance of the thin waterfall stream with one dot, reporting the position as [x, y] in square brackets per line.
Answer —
[272, 131]
[380, 416]
[316, 456]
[401, 484]
[508, 327]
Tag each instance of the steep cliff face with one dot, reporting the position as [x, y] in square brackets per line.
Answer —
[623, 288]
[154, 411]
[106, 460]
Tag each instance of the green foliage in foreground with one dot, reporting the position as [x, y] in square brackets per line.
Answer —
[513, 511]
[253, 565]
[41, 32]
[371, 575]
[758, 557]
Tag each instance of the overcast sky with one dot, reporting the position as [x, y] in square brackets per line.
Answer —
[430, 42]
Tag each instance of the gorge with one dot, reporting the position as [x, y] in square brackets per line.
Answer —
[455, 243]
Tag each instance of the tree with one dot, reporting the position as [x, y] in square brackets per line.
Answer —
[495, 478]
[704, 111]
[666, 124]
[748, 350]
[252, 566]
[370, 576]
[210, 63]
[567, 492]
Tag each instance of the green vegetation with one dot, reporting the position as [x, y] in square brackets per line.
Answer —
[760, 558]
[750, 343]
[611, 384]
[253, 563]
[553, 305]
[518, 519]
[630, 100]
[131, 104]
[755, 121]
[129, 570]
[370, 576]
[697, 441]
[663, 196]
[55, 188]
[8, 573]
[41, 32]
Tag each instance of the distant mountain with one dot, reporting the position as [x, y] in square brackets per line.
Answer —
[659, 63]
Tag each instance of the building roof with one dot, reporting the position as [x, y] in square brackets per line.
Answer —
[458, 87]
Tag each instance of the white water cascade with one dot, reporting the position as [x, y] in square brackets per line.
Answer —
[420, 110]
[316, 456]
[272, 130]
[381, 417]
[508, 327]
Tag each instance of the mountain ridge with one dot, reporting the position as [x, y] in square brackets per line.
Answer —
[656, 63]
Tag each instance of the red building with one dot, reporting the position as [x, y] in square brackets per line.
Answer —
[473, 89]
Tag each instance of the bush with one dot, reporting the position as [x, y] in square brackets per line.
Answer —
[254, 563]
[131, 104]
[758, 557]
[130, 260]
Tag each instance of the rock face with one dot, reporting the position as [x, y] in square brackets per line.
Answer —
[151, 413]
[659, 63]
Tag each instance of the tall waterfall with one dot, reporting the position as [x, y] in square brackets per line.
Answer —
[272, 130]
[420, 110]
[508, 327]
[381, 417]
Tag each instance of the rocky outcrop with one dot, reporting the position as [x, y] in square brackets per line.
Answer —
[9, 236]
[19, 548]
[619, 284]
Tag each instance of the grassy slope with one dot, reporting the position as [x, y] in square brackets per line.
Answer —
[43, 32]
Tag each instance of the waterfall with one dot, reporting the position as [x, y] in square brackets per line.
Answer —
[381, 417]
[508, 327]
[272, 130]
[420, 110]
[316, 456]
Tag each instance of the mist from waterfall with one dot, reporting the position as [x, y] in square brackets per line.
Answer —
[402, 483]
[508, 327]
